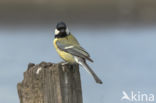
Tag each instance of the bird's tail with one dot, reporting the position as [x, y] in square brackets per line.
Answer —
[88, 69]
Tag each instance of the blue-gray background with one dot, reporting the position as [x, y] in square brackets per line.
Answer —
[124, 59]
[119, 35]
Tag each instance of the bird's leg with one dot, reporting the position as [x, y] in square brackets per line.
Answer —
[64, 63]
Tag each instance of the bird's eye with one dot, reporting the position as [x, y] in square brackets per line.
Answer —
[60, 28]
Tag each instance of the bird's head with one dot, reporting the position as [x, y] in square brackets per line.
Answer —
[61, 30]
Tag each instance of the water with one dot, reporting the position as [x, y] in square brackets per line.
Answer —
[124, 59]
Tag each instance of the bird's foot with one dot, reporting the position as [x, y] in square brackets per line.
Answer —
[64, 63]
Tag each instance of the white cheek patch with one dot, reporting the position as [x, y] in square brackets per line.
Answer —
[56, 32]
[67, 31]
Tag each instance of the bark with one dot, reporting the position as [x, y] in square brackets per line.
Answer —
[50, 83]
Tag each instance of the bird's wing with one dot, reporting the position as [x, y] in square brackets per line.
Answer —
[75, 50]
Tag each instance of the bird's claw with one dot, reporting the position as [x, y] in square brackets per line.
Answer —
[64, 63]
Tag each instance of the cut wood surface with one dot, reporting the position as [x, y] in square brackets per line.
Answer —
[50, 83]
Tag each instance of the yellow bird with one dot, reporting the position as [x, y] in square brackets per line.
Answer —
[70, 50]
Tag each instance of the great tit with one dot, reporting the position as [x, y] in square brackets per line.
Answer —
[70, 50]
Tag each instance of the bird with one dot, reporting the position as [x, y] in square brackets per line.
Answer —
[70, 50]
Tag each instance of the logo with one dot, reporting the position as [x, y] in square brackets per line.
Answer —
[137, 97]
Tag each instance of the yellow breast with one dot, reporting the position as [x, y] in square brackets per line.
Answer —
[66, 56]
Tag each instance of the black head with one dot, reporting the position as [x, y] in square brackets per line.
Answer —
[61, 25]
[61, 30]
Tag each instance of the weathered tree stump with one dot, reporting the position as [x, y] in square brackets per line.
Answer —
[50, 83]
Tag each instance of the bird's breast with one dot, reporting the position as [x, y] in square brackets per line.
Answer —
[64, 55]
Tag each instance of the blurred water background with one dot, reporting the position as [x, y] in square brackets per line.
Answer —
[119, 35]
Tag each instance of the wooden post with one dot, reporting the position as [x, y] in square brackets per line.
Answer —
[50, 83]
